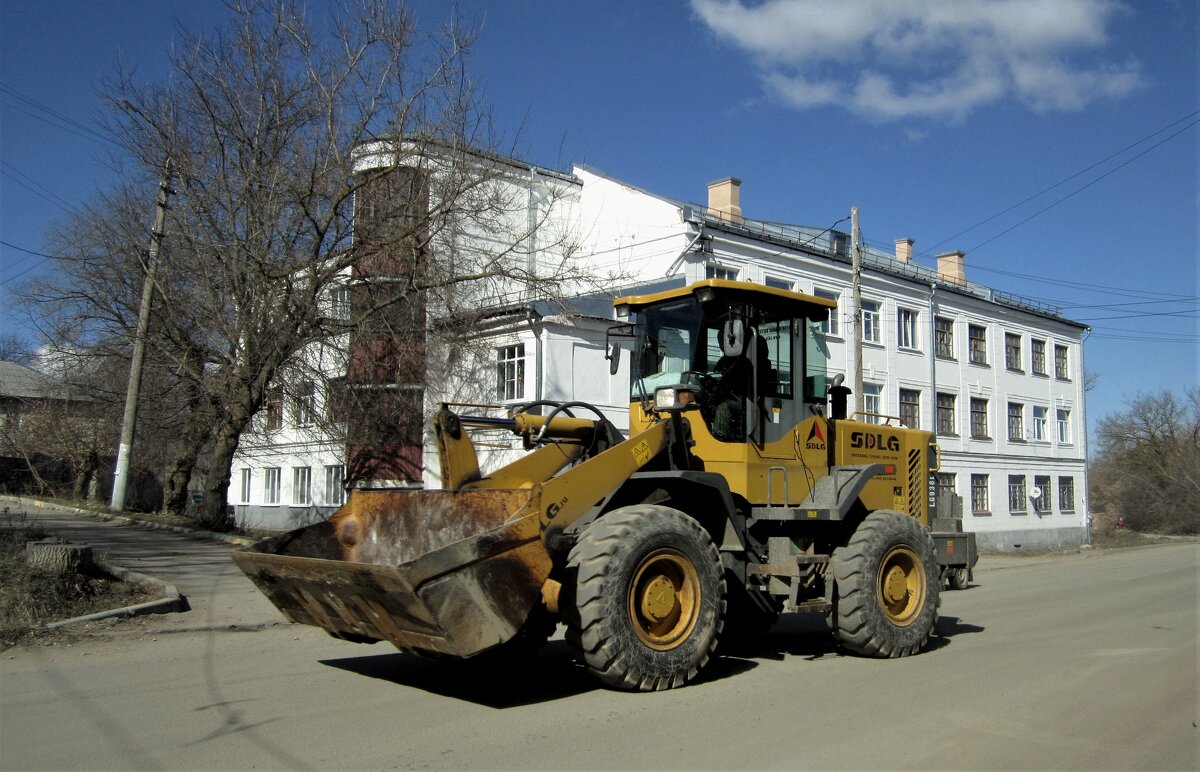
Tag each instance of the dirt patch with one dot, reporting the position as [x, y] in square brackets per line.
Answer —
[1117, 538]
[31, 597]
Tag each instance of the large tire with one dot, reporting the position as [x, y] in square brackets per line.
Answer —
[645, 598]
[888, 587]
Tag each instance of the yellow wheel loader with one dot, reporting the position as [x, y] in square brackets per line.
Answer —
[742, 491]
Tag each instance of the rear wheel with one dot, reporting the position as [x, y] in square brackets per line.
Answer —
[959, 578]
[645, 598]
[888, 587]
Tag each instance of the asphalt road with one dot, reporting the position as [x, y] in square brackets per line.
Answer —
[1080, 661]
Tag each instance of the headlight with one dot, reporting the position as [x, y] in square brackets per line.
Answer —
[671, 398]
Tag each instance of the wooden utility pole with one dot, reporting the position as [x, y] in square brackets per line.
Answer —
[856, 319]
[129, 422]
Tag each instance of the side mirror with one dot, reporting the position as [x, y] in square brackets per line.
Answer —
[733, 337]
[613, 355]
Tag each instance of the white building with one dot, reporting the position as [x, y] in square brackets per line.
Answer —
[997, 377]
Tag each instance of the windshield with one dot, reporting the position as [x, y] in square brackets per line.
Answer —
[666, 346]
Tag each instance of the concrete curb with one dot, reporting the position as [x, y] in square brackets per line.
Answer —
[172, 602]
[193, 533]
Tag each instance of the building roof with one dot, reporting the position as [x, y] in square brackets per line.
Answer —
[20, 382]
[834, 246]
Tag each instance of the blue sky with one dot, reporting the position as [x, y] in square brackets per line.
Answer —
[939, 119]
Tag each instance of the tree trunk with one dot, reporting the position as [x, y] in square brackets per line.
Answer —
[175, 493]
[58, 558]
[216, 491]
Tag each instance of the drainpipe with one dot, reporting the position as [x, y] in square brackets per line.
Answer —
[535, 324]
[531, 237]
[933, 355]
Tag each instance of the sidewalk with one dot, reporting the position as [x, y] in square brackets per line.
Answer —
[220, 595]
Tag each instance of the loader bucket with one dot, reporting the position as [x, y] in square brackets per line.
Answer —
[444, 572]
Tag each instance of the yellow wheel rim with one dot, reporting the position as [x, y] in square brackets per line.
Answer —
[900, 585]
[664, 599]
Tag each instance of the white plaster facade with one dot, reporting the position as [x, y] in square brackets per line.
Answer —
[624, 236]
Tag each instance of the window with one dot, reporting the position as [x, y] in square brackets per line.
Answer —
[1016, 494]
[871, 406]
[906, 329]
[1012, 351]
[1041, 485]
[945, 413]
[830, 327]
[339, 302]
[944, 334]
[783, 284]
[910, 408]
[945, 483]
[510, 372]
[1066, 494]
[979, 418]
[1037, 350]
[301, 486]
[338, 401]
[306, 403]
[1016, 421]
[1064, 426]
[870, 321]
[718, 272]
[1061, 371]
[977, 343]
[1040, 415]
[335, 485]
[273, 420]
[979, 495]
[271, 485]
[244, 496]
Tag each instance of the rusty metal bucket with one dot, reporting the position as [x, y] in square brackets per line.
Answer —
[446, 572]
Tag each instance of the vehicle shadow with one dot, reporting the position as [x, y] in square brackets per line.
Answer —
[495, 682]
[553, 674]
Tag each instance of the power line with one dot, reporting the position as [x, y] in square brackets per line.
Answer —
[1068, 179]
[59, 121]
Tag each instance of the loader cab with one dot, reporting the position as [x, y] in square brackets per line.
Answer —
[754, 357]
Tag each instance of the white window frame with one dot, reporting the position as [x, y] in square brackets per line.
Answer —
[1040, 423]
[871, 316]
[832, 326]
[272, 482]
[1062, 417]
[1015, 421]
[510, 372]
[306, 403]
[906, 329]
[715, 271]
[872, 402]
[335, 485]
[301, 486]
[246, 482]
[777, 283]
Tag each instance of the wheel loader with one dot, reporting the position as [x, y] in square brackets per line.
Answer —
[742, 491]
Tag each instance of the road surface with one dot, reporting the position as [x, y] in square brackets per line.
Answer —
[1084, 661]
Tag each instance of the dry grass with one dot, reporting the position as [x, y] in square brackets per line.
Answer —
[30, 597]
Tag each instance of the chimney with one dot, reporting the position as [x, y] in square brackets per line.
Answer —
[950, 267]
[904, 250]
[725, 198]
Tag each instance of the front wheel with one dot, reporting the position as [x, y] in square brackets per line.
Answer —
[888, 587]
[645, 598]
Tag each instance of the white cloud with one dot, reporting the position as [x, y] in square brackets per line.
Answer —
[934, 59]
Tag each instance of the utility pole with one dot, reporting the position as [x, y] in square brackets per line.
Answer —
[129, 422]
[856, 273]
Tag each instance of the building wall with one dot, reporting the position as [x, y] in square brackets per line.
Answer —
[621, 235]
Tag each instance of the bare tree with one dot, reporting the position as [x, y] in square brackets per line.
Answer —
[14, 348]
[278, 128]
[1148, 463]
